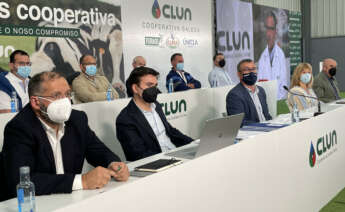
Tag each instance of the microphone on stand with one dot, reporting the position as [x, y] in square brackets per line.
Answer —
[311, 97]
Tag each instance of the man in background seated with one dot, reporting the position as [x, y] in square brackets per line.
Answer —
[142, 127]
[325, 84]
[16, 80]
[182, 80]
[89, 87]
[54, 140]
[246, 97]
[138, 61]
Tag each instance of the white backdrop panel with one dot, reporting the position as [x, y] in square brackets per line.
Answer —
[158, 38]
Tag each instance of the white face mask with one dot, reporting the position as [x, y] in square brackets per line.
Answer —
[59, 110]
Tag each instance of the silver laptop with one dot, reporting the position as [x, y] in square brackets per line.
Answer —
[217, 134]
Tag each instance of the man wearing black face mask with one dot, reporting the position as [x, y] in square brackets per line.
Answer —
[246, 97]
[325, 84]
[142, 127]
[219, 77]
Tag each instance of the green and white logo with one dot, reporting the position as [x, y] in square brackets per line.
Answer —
[175, 109]
[325, 147]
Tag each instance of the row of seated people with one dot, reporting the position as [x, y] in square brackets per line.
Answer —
[89, 86]
[53, 140]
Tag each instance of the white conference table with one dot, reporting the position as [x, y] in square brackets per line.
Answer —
[90, 200]
[56, 201]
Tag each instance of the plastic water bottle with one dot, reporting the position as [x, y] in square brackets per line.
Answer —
[171, 85]
[25, 191]
[14, 102]
[295, 114]
[110, 93]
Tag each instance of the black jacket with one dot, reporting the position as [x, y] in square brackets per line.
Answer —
[26, 144]
[136, 135]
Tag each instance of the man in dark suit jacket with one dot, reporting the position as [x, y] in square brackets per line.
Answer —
[142, 127]
[30, 138]
[246, 97]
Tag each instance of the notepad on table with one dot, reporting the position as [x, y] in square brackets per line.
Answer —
[158, 165]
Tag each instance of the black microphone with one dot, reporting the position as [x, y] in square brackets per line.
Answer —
[311, 97]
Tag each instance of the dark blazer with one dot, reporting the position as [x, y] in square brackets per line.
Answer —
[26, 144]
[179, 83]
[323, 88]
[238, 101]
[2, 180]
[136, 135]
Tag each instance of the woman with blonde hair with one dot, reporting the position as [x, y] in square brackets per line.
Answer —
[301, 83]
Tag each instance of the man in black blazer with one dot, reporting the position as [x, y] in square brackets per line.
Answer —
[246, 97]
[142, 127]
[53, 140]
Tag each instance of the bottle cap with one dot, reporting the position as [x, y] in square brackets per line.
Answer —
[24, 169]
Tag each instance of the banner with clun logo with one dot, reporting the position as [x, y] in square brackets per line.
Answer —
[260, 33]
[156, 29]
[234, 33]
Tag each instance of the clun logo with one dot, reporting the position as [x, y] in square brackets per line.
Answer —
[173, 107]
[156, 11]
[312, 155]
[325, 147]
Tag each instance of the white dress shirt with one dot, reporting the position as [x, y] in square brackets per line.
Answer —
[219, 77]
[158, 128]
[54, 140]
[21, 89]
[255, 97]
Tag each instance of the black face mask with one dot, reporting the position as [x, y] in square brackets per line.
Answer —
[150, 94]
[332, 72]
[250, 79]
[221, 63]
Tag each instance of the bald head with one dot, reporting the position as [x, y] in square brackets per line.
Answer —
[139, 61]
[327, 65]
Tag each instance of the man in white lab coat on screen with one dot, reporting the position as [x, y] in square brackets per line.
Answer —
[272, 62]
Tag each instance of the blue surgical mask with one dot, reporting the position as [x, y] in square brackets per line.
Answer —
[305, 78]
[91, 70]
[24, 71]
[179, 66]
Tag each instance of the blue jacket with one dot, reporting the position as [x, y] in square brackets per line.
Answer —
[7, 87]
[238, 101]
[179, 83]
[137, 137]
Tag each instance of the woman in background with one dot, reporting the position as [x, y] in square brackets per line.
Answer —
[301, 84]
